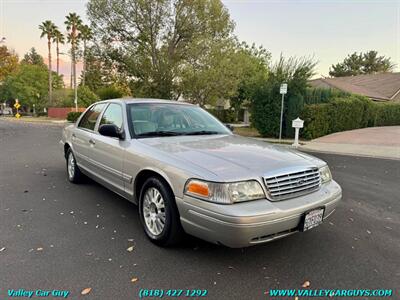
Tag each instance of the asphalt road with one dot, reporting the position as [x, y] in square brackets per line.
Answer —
[69, 237]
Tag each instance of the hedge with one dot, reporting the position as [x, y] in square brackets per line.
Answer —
[73, 116]
[346, 114]
[224, 115]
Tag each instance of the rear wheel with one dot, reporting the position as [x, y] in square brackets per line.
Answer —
[159, 214]
[74, 173]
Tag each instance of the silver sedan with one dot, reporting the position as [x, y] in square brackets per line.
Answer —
[190, 174]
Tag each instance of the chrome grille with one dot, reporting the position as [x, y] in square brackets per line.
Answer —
[284, 186]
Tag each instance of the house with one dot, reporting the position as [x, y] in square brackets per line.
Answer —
[377, 87]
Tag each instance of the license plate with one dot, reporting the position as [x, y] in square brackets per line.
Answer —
[313, 218]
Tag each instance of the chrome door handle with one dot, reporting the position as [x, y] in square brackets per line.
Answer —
[92, 142]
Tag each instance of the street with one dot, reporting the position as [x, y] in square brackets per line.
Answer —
[62, 236]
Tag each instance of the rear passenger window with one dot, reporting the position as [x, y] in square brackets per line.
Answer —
[88, 121]
[112, 115]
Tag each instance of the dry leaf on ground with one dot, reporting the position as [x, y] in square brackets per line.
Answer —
[86, 291]
[306, 284]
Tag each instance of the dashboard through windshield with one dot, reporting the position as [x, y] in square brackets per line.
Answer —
[164, 119]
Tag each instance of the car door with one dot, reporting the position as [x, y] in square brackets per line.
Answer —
[107, 153]
[82, 134]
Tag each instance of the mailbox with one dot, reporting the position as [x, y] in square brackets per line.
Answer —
[297, 124]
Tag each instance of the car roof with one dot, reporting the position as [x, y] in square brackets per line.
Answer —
[145, 100]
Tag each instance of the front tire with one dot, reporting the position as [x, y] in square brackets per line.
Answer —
[159, 214]
[74, 173]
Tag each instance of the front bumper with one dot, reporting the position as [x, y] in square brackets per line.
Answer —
[249, 223]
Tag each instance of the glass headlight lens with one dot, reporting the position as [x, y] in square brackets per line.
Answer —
[325, 174]
[224, 193]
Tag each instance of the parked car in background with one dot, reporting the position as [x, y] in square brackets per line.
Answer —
[6, 111]
[190, 174]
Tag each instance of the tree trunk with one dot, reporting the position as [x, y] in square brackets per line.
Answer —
[58, 60]
[50, 77]
[72, 75]
[84, 63]
[74, 68]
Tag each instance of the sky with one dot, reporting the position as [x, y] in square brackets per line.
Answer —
[324, 29]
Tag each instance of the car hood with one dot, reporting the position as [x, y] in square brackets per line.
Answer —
[231, 157]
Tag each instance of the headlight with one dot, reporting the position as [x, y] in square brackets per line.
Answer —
[224, 193]
[325, 174]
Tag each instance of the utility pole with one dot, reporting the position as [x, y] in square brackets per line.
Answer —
[282, 91]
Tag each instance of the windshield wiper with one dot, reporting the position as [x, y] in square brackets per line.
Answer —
[202, 132]
[158, 133]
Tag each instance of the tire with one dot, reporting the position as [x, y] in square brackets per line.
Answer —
[73, 172]
[155, 202]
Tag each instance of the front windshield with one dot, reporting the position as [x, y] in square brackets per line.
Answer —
[165, 119]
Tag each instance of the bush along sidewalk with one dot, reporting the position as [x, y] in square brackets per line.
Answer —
[73, 116]
[347, 113]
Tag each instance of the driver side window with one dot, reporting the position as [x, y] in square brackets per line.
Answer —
[112, 115]
[88, 121]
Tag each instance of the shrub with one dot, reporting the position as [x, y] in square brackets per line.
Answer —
[224, 115]
[386, 114]
[346, 114]
[85, 96]
[265, 116]
[73, 116]
[295, 104]
[63, 98]
[322, 95]
[266, 99]
[112, 92]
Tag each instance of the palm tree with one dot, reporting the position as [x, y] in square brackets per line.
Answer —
[47, 28]
[85, 35]
[58, 38]
[73, 22]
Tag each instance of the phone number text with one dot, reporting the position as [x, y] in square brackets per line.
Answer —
[160, 293]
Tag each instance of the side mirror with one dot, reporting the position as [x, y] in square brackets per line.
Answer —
[230, 127]
[111, 130]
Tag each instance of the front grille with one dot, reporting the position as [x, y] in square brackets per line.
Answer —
[284, 186]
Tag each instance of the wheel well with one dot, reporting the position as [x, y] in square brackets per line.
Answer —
[66, 147]
[141, 179]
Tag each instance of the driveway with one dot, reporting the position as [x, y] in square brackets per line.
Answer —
[57, 235]
[373, 141]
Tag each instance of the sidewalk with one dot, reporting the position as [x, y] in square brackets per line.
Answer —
[381, 142]
[38, 120]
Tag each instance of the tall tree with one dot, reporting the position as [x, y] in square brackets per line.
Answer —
[85, 35]
[73, 23]
[362, 63]
[150, 41]
[58, 38]
[33, 58]
[8, 62]
[253, 64]
[47, 28]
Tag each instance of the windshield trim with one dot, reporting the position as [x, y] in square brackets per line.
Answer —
[136, 136]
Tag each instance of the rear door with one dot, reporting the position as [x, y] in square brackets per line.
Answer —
[82, 135]
[107, 153]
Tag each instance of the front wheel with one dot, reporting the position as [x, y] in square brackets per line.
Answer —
[159, 214]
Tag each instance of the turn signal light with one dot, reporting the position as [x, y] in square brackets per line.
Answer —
[198, 188]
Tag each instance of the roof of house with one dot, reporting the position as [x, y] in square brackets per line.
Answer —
[381, 87]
